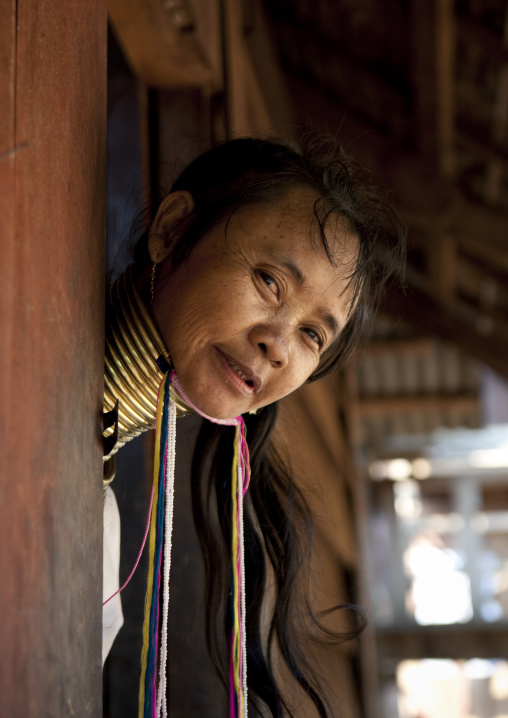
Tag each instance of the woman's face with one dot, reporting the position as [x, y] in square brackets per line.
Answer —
[247, 316]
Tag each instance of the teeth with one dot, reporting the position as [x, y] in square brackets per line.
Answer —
[238, 370]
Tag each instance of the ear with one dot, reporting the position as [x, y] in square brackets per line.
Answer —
[171, 222]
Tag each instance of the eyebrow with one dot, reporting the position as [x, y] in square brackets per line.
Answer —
[332, 323]
[294, 269]
[297, 273]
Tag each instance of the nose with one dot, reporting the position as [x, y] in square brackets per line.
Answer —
[272, 342]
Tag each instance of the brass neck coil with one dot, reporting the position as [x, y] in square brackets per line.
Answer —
[131, 373]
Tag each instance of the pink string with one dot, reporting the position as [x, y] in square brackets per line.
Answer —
[146, 532]
[232, 709]
[139, 554]
[235, 421]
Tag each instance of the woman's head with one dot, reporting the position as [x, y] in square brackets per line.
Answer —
[268, 259]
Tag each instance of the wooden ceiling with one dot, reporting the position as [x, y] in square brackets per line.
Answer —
[419, 90]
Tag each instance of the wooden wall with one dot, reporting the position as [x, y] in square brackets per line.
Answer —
[52, 165]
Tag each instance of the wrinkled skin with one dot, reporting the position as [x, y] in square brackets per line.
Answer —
[260, 294]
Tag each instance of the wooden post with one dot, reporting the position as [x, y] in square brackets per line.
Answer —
[433, 33]
[52, 171]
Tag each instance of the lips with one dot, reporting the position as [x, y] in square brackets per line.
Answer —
[240, 374]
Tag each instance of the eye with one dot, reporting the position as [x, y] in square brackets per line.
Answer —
[314, 336]
[270, 282]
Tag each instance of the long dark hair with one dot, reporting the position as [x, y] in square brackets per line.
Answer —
[277, 522]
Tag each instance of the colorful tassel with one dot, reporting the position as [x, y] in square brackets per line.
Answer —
[147, 690]
[152, 693]
[240, 478]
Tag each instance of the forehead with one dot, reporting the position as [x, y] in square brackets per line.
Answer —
[294, 224]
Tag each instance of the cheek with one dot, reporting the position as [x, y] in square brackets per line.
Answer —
[292, 379]
[303, 368]
[213, 310]
[189, 327]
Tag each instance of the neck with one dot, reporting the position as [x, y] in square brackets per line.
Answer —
[131, 372]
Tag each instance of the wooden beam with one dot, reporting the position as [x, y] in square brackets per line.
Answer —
[488, 42]
[264, 58]
[369, 667]
[483, 283]
[445, 82]
[462, 641]
[483, 232]
[376, 406]
[258, 102]
[209, 35]
[52, 358]
[475, 138]
[159, 41]
[417, 346]
[247, 108]
[494, 173]
[442, 261]
[424, 312]
[433, 44]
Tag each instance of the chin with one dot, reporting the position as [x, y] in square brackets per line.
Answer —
[215, 407]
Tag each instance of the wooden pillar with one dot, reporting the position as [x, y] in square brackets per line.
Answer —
[52, 167]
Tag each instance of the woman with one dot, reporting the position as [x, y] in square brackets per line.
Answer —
[258, 269]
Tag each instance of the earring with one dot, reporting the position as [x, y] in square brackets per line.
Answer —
[152, 282]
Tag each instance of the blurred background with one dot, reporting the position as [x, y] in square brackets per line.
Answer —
[405, 455]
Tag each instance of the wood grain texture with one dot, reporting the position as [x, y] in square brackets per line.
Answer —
[160, 44]
[51, 313]
[319, 473]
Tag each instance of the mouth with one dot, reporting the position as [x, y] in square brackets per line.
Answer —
[240, 375]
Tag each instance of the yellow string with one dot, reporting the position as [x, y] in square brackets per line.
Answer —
[234, 556]
[151, 552]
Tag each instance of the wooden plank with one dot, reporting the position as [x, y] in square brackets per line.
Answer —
[258, 102]
[334, 548]
[321, 402]
[159, 41]
[51, 363]
[266, 68]
[459, 641]
[7, 82]
[209, 35]
[247, 108]
[8, 152]
[320, 479]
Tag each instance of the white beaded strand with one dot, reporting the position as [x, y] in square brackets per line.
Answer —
[162, 709]
[236, 421]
